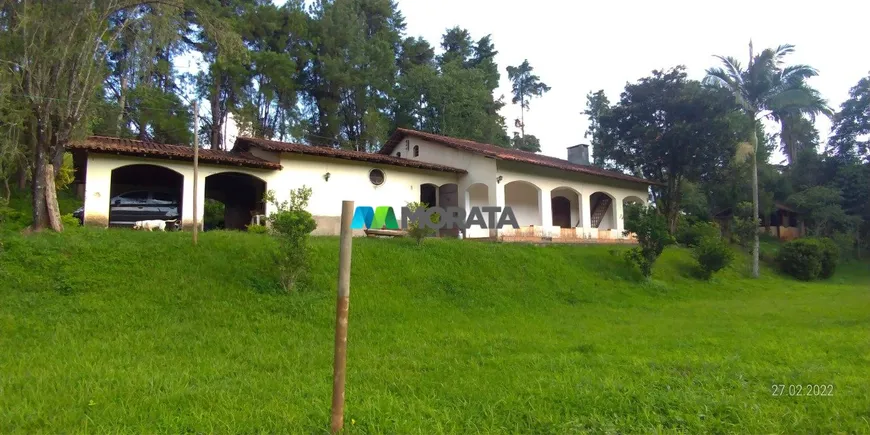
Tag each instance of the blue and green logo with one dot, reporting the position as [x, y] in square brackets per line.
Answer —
[451, 217]
[381, 217]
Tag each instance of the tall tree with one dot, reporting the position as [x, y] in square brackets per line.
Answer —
[351, 82]
[597, 107]
[851, 127]
[525, 86]
[669, 129]
[764, 88]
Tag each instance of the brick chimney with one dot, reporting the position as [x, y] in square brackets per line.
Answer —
[579, 154]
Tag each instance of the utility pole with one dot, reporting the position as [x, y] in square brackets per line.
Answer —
[195, 171]
[339, 372]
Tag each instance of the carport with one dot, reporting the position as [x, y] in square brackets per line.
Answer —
[117, 166]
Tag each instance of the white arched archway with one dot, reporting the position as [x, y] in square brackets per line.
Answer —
[142, 191]
[524, 199]
[603, 211]
[233, 199]
[565, 205]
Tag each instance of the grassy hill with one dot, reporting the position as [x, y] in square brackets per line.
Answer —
[121, 331]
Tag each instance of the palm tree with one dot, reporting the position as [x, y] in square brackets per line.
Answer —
[767, 89]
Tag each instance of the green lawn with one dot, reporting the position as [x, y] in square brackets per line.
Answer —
[121, 331]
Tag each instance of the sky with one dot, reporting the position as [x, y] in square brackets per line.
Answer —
[582, 46]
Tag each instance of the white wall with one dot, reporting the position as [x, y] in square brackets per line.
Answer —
[349, 180]
[524, 200]
[549, 179]
[98, 179]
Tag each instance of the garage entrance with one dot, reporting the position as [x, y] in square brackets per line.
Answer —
[241, 196]
[144, 192]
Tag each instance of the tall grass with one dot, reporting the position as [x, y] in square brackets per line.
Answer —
[121, 331]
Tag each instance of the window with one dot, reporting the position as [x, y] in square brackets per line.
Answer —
[163, 197]
[407, 144]
[416, 150]
[398, 154]
[376, 176]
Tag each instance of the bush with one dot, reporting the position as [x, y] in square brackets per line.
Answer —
[692, 234]
[651, 230]
[801, 258]
[830, 257]
[415, 230]
[713, 255]
[257, 229]
[291, 226]
[213, 214]
[69, 221]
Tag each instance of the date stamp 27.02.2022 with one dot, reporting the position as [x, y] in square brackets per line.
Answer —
[809, 390]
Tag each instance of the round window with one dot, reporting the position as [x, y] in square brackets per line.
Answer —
[376, 176]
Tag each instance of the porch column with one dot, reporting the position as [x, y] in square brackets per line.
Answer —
[620, 217]
[187, 201]
[496, 197]
[545, 210]
[98, 193]
[585, 212]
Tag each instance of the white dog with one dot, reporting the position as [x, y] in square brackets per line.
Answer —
[155, 224]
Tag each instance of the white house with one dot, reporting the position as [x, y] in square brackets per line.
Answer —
[550, 197]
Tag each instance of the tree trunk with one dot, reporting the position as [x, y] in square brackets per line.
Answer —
[51, 200]
[755, 243]
[8, 190]
[122, 102]
[40, 214]
[216, 138]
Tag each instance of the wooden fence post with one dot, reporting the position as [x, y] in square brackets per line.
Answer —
[341, 310]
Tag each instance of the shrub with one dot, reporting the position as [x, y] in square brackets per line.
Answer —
[801, 258]
[415, 230]
[651, 230]
[744, 226]
[69, 221]
[291, 226]
[213, 214]
[692, 234]
[830, 257]
[257, 229]
[713, 255]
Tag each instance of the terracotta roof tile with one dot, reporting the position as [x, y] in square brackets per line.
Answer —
[242, 143]
[166, 151]
[498, 152]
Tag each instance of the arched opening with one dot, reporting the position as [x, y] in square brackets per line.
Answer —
[477, 195]
[632, 200]
[524, 200]
[429, 194]
[241, 196]
[565, 203]
[448, 196]
[603, 211]
[145, 192]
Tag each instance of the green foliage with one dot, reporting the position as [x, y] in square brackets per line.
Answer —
[528, 143]
[851, 127]
[744, 227]
[257, 229]
[415, 230]
[213, 214]
[651, 230]
[66, 173]
[821, 208]
[69, 221]
[216, 311]
[291, 225]
[809, 258]
[712, 255]
[669, 129]
[830, 257]
[692, 234]
[524, 86]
